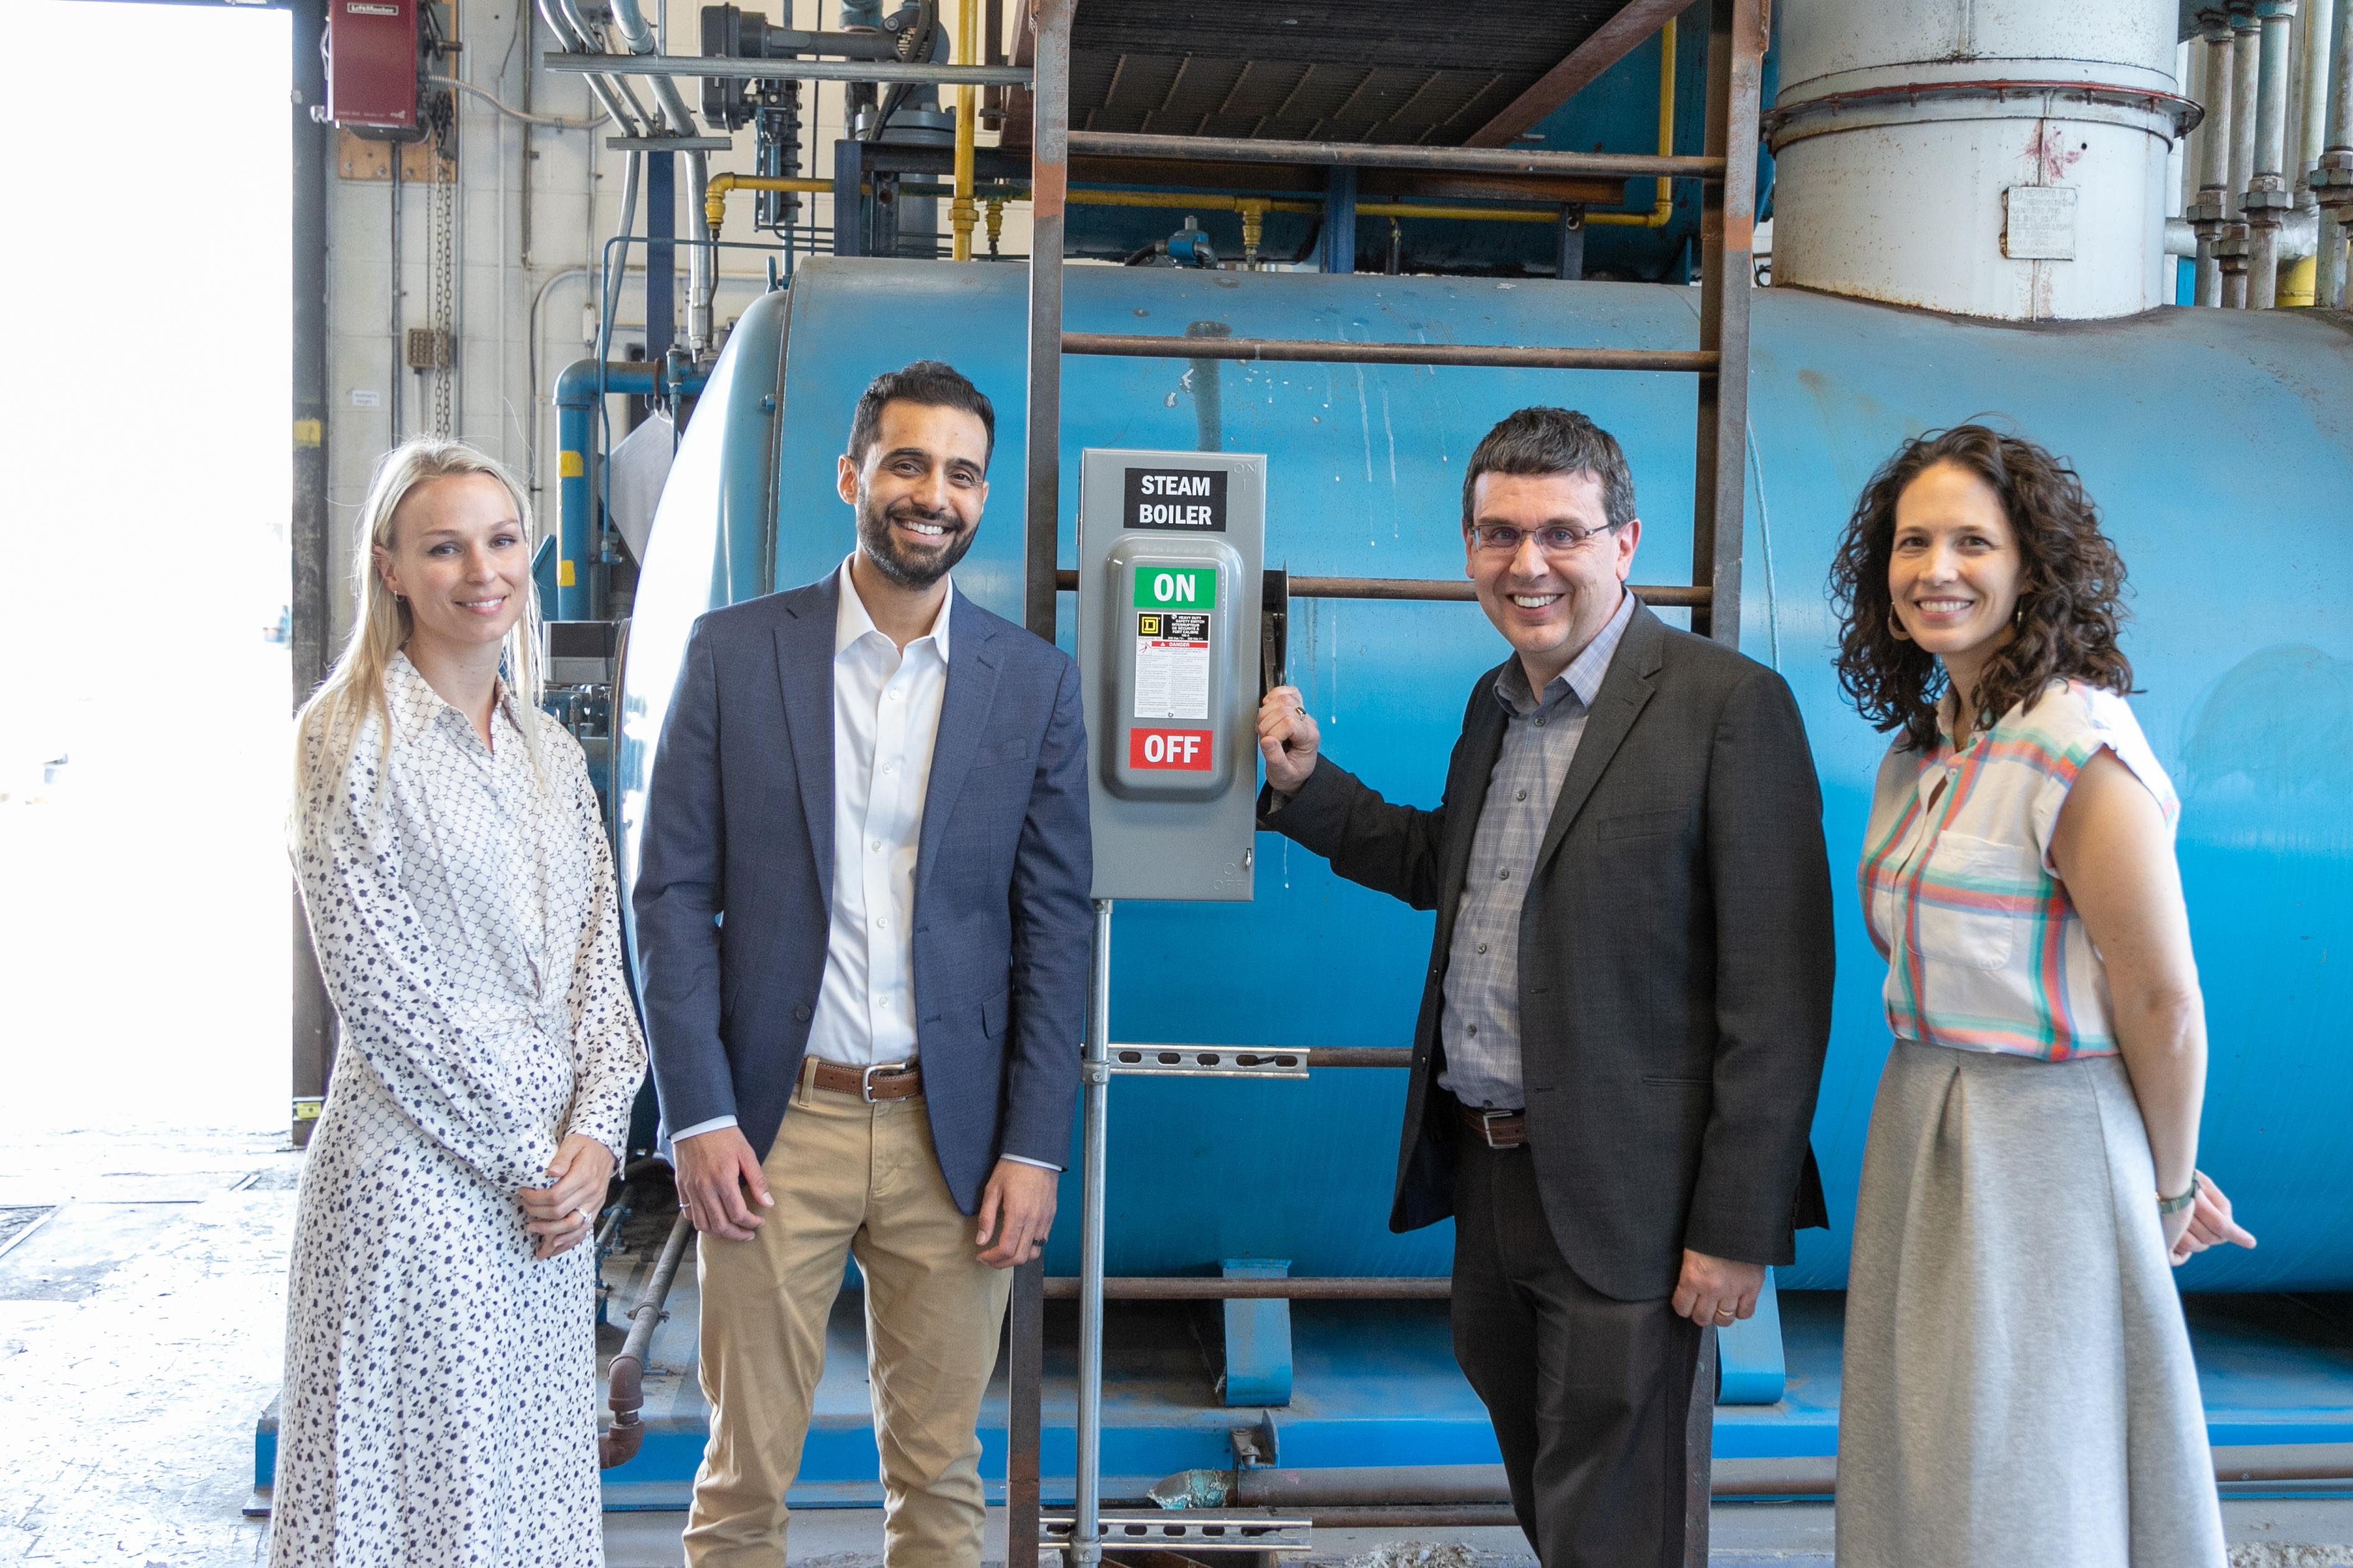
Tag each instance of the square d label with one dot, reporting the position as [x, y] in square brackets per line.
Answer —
[1179, 500]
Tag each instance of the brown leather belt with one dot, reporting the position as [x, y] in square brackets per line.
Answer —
[1496, 1128]
[891, 1080]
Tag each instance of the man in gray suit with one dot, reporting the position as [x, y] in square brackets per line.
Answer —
[863, 928]
[1627, 998]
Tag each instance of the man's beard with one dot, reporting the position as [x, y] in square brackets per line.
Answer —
[907, 570]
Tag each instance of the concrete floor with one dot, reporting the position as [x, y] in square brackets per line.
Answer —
[141, 1296]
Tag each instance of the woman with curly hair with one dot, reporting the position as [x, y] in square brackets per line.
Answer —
[2017, 1369]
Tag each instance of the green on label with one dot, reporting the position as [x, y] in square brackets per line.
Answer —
[1176, 587]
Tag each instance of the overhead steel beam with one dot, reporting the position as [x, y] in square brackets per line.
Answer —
[1608, 43]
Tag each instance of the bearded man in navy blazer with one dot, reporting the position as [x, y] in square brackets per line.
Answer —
[863, 930]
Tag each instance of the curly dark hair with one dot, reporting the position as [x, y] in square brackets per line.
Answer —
[2070, 597]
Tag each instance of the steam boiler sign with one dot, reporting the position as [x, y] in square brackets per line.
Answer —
[1186, 751]
[1185, 500]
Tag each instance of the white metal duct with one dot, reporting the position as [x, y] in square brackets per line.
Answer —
[1998, 158]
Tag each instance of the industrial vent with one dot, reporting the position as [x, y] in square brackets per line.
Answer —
[1366, 70]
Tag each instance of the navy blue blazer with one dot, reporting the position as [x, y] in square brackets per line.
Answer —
[736, 881]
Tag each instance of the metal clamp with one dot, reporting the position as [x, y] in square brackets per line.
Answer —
[1208, 1062]
[1194, 1530]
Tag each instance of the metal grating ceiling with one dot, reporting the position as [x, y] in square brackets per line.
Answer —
[1336, 70]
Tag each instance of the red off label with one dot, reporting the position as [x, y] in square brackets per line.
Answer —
[1188, 749]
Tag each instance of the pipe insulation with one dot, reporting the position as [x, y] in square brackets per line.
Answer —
[2058, 123]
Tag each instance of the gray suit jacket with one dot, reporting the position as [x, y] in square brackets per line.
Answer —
[736, 881]
[1676, 962]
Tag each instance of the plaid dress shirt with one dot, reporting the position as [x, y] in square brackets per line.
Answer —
[1481, 1025]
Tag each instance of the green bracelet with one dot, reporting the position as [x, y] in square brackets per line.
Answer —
[2175, 1205]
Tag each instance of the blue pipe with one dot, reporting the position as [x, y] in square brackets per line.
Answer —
[566, 584]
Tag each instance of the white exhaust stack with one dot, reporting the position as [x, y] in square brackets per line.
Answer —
[1999, 158]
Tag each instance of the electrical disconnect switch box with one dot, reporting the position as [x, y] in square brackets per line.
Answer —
[1169, 551]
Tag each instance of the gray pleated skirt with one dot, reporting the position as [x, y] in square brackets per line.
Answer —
[2018, 1381]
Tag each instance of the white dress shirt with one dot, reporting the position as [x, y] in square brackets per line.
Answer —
[886, 720]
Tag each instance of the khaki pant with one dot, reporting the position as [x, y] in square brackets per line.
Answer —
[847, 1177]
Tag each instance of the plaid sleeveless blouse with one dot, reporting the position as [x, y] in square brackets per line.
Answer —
[1985, 951]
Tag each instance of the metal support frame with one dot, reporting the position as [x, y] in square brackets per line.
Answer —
[725, 67]
[1737, 39]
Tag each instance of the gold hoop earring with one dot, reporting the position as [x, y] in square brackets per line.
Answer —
[1895, 627]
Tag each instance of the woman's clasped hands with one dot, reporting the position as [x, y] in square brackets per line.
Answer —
[561, 1214]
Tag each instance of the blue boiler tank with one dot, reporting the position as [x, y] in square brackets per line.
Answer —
[2220, 445]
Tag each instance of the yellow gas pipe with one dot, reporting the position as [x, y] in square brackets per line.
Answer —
[960, 211]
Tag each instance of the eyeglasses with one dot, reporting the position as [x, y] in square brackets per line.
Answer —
[1556, 539]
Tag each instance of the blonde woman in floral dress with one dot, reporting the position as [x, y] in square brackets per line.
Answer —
[440, 1358]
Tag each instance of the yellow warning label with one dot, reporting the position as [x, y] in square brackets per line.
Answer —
[564, 568]
[570, 466]
[306, 432]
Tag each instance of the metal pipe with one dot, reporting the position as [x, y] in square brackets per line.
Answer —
[2210, 215]
[1086, 1541]
[2268, 198]
[1372, 1496]
[960, 210]
[1423, 590]
[1302, 1288]
[2246, 78]
[884, 71]
[563, 20]
[637, 37]
[625, 1379]
[2312, 67]
[1135, 345]
[2332, 178]
[1050, 179]
[1389, 155]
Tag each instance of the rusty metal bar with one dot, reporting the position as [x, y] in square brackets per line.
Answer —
[1508, 356]
[1025, 1352]
[1202, 1287]
[1049, 178]
[1360, 1057]
[1430, 590]
[1727, 222]
[1382, 156]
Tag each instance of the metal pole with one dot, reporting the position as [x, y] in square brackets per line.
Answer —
[1049, 180]
[1086, 1533]
[2268, 198]
[311, 601]
[1727, 222]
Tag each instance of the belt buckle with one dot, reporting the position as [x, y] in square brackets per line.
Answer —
[866, 1077]
[1488, 1117]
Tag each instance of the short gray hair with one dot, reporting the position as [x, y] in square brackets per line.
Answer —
[1553, 441]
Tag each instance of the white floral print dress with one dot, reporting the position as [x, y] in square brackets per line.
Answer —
[439, 1404]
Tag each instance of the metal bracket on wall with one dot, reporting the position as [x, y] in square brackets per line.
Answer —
[1188, 1532]
[1259, 1446]
[1206, 1062]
